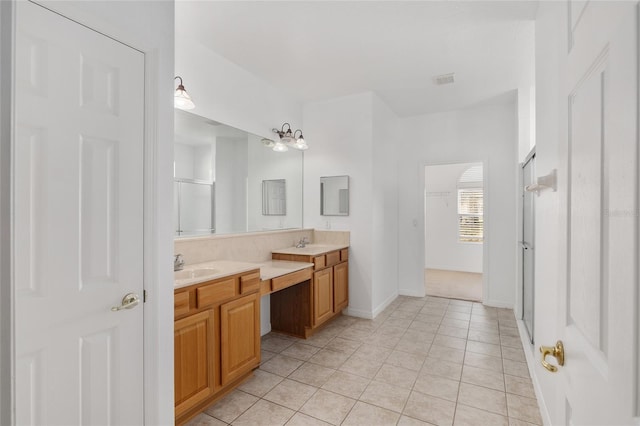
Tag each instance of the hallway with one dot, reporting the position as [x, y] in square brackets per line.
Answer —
[453, 284]
[421, 361]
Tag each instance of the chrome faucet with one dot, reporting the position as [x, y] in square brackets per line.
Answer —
[178, 262]
[302, 243]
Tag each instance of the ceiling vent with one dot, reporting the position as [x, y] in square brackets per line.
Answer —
[443, 79]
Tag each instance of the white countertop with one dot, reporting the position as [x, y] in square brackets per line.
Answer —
[207, 271]
[276, 268]
[311, 249]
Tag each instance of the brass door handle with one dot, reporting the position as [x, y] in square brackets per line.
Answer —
[556, 351]
[129, 301]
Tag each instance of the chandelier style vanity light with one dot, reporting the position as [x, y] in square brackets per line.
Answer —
[181, 98]
[289, 139]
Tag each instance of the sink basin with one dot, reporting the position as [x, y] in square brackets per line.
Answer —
[194, 273]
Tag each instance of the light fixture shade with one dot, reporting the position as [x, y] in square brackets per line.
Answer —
[280, 147]
[301, 144]
[181, 98]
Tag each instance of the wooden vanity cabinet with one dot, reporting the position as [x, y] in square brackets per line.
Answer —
[329, 290]
[216, 340]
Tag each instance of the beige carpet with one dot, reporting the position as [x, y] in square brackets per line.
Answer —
[453, 284]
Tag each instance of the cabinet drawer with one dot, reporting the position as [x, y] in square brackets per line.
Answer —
[250, 282]
[216, 292]
[319, 262]
[290, 279]
[333, 258]
[344, 255]
[181, 303]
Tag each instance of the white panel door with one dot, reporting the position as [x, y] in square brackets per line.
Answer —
[78, 211]
[598, 321]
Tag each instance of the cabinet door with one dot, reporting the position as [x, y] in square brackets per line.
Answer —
[193, 359]
[322, 296]
[340, 286]
[240, 336]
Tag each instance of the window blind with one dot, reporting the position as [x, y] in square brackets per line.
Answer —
[470, 211]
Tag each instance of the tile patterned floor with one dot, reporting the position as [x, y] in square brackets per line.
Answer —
[422, 361]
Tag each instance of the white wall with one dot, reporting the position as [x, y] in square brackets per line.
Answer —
[225, 92]
[355, 136]
[149, 27]
[443, 250]
[488, 134]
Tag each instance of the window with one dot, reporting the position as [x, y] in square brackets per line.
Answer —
[470, 206]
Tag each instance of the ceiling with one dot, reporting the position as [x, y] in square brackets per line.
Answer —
[316, 50]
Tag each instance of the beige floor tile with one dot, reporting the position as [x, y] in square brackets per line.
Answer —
[461, 313]
[484, 348]
[509, 331]
[514, 354]
[424, 327]
[428, 318]
[281, 365]
[300, 351]
[397, 376]
[446, 354]
[453, 331]
[407, 344]
[523, 409]
[519, 386]
[312, 374]
[290, 394]
[430, 409]
[487, 362]
[261, 383]
[346, 384]
[275, 343]
[300, 419]
[407, 360]
[386, 330]
[357, 334]
[329, 358]
[363, 414]
[438, 367]
[469, 416]
[483, 398]
[264, 413]
[450, 342]
[483, 336]
[320, 339]
[266, 355]
[452, 322]
[513, 342]
[463, 308]
[515, 368]
[204, 419]
[378, 353]
[437, 386]
[385, 396]
[401, 323]
[328, 406]
[343, 345]
[231, 406]
[402, 315]
[481, 377]
[518, 422]
[420, 336]
[410, 421]
[361, 367]
[387, 341]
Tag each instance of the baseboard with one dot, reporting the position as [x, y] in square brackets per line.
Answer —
[531, 362]
[499, 304]
[384, 304]
[411, 292]
[360, 313]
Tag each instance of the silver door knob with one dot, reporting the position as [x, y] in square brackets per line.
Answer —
[129, 301]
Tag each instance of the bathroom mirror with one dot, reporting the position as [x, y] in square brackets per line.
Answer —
[274, 197]
[334, 196]
[218, 180]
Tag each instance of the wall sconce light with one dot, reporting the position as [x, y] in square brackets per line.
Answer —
[289, 138]
[181, 98]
